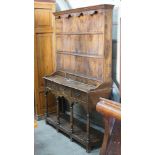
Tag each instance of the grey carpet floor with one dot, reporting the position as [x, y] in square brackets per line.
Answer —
[47, 141]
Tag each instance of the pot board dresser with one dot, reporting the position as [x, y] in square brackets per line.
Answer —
[83, 69]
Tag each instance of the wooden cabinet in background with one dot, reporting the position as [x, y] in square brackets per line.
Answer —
[44, 53]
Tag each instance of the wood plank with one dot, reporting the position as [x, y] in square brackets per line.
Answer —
[79, 33]
[80, 55]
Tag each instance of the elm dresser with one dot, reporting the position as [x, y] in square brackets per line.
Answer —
[83, 69]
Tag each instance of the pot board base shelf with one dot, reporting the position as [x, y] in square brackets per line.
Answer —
[79, 133]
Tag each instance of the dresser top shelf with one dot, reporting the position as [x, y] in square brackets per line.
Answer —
[103, 6]
[77, 53]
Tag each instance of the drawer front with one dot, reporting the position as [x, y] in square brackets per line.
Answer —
[79, 95]
[48, 84]
[65, 91]
[52, 85]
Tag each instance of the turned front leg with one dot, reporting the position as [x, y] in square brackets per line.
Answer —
[71, 120]
[46, 103]
[58, 112]
[88, 132]
[62, 105]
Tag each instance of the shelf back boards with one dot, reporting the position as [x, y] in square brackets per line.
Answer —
[84, 41]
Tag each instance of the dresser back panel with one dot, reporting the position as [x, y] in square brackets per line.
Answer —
[82, 44]
[81, 22]
[80, 65]
[83, 41]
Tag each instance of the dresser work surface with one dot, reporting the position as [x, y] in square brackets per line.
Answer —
[71, 83]
[83, 70]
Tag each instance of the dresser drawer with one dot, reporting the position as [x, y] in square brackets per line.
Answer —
[52, 85]
[79, 95]
[48, 84]
[64, 91]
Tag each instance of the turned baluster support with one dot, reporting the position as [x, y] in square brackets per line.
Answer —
[58, 113]
[62, 105]
[46, 103]
[88, 132]
[71, 120]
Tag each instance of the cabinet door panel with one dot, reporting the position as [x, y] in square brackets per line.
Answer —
[44, 53]
[44, 18]
[44, 58]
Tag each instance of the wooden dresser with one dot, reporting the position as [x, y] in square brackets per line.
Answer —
[44, 52]
[83, 69]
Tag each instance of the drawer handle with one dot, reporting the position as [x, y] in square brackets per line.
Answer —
[77, 94]
[63, 89]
